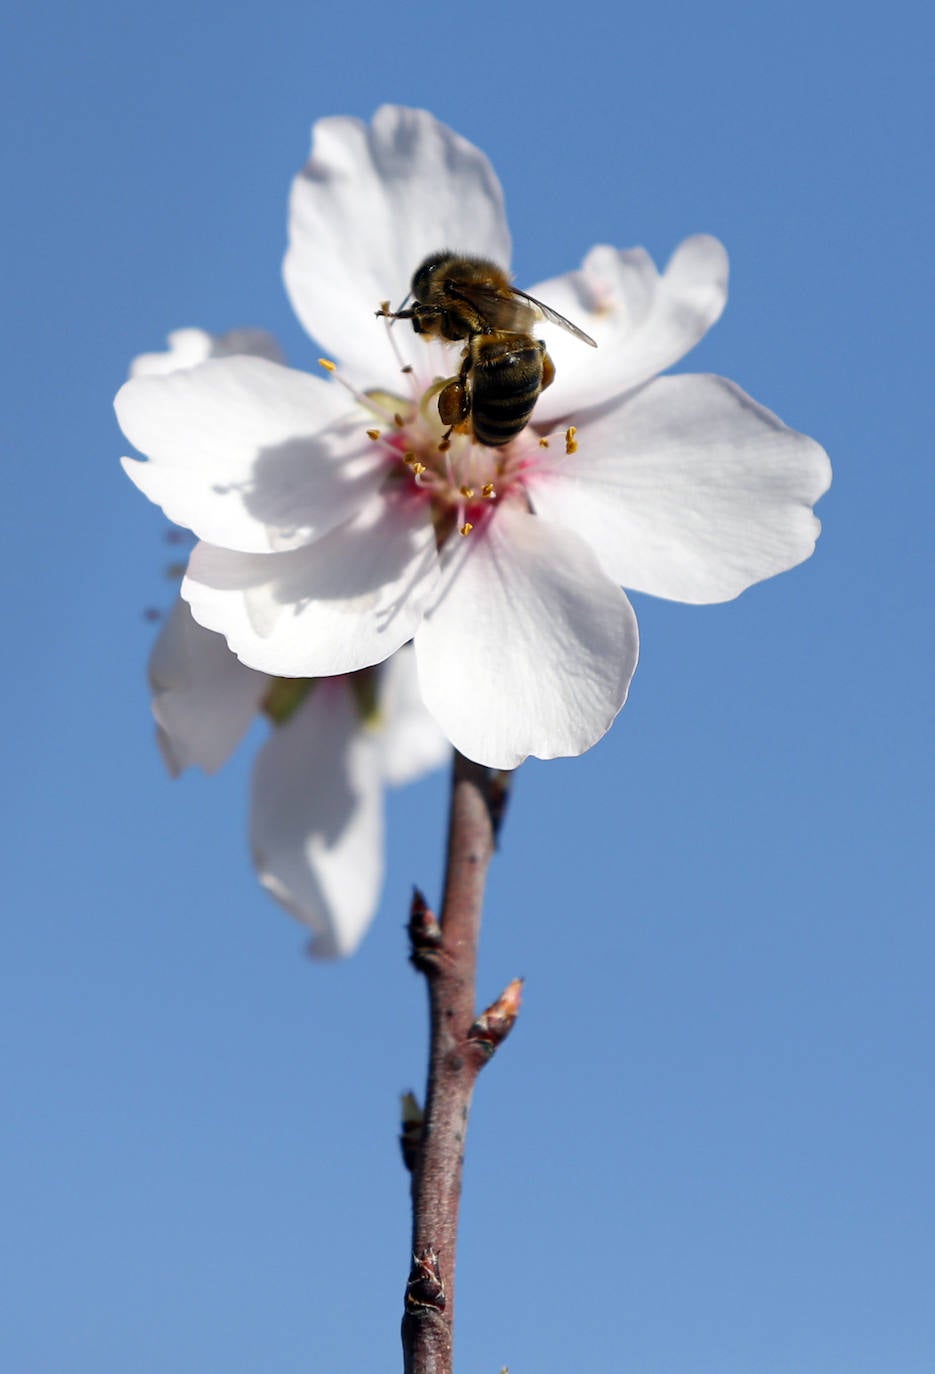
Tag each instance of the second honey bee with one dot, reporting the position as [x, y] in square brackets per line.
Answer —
[504, 369]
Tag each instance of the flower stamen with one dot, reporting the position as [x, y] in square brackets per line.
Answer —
[362, 398]
[405, 368]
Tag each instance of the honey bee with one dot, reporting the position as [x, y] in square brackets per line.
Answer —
[504, 369]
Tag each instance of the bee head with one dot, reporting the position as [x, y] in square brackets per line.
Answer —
[424, 274]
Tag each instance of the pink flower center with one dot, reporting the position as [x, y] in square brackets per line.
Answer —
[461, 480]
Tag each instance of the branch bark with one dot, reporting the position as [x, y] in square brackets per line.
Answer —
[460, 1044]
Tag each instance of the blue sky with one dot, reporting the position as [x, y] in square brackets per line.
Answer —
[720, 1162]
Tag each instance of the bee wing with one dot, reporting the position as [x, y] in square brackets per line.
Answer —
[499, 309]
[554, 317]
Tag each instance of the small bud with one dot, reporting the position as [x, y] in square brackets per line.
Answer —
[498, 795]
[494, 1025]
[410, 1133]
[425, 1287]
[425, 934]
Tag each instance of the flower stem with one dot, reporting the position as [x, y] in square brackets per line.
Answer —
[460, 1044]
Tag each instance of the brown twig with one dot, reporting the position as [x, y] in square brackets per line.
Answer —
[462, 1042]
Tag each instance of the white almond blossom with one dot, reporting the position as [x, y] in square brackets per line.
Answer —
[336, 525]
[316, 816]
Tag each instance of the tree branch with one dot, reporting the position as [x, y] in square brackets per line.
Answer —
[461, 1042]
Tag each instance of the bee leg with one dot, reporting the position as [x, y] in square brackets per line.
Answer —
[548, 367]
[425, 318]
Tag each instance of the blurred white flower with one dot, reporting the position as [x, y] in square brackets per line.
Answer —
[316, 815]
[330, 514]
[187, 347]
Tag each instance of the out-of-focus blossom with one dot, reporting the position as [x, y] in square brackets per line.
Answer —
[188, 347]
[316, 813]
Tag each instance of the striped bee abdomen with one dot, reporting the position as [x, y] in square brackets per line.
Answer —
[506, 378]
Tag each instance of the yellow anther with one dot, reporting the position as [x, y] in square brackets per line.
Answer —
[418, 468]
[384, 308]
[488, 491]
[398, 421]
[327, 364]
[543, 443]
[373, 434]
[467, 493]
[466, 527]
[571, 445]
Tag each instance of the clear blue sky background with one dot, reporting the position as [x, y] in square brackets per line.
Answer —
[708, 1147]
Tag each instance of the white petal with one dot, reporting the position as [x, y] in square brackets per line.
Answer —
[316, 824]
[530, 649]
[369, 205]
[410, 741]
[689, 490]
[248, 454]
[345, 602]
[642, 322]
[188, 347]
[204, 699]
